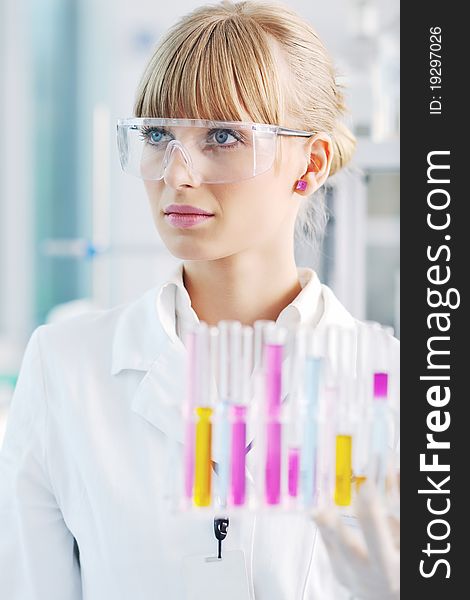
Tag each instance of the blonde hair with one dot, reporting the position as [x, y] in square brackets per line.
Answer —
[221, 61]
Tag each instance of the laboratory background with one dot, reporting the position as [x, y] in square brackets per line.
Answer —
[77, 234]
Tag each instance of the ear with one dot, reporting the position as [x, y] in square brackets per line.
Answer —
[320, 150]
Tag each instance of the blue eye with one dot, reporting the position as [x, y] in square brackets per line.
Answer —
[153, 135]
[221, 136]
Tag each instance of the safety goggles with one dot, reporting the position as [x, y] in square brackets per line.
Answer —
[213, 151]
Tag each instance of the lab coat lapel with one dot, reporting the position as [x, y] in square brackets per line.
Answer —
[160, 395]
[141, 344]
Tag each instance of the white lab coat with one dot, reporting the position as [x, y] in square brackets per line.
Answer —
[84, 467]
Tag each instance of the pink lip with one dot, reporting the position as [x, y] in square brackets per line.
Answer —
[184, 215]
[186, 209]
[186, 220]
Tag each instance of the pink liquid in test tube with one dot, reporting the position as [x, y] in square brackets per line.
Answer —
[273, 463]
[238, 483]
[293, 468]
[189, 459]
[273, 357]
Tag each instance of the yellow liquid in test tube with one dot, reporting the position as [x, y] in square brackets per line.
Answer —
[343, 470]
[203, 467]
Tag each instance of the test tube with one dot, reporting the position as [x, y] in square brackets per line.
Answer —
[328, 402]
[379, 450]
[293, 422]
[257, 414]
[203, 445]
[273, 364]
[222, 425]
[239, 422]
[192, 398]
[363, 403]
[343, 470]
[346, 372]
[203, 471]
[380, 432]
[393, 401]
[234, 429]
[309, 417]
[261, 328]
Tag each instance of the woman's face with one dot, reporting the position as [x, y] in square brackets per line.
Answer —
[244, 215]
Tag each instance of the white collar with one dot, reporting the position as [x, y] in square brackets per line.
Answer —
[140, 336]
[307, 307]
[173, 301]
[176, 313]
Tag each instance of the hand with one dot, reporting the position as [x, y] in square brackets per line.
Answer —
[366, 562]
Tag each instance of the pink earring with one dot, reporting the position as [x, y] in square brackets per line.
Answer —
[301, 185]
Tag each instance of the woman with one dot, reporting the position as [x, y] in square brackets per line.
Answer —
[84, 465]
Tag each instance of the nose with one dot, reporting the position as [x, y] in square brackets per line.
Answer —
[178, 167]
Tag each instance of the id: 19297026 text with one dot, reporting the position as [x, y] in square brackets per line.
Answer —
[435, 70]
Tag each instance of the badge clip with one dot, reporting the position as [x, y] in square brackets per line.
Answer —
[220, 531]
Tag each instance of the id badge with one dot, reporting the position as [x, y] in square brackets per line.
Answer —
[211, 578]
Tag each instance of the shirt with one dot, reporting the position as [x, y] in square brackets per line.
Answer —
[178, 316]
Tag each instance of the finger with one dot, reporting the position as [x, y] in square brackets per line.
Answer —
[327, 522]
[394, 526]
[350, 549]
[392, 486]
[373, 519]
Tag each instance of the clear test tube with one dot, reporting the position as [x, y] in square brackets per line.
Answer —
[380, 438]
[362, 407]
[309, 417]
[213, 364]
[239, 422]
[235, 349]
[221, 418]
[247, 364]
[292, 417]
[394, 382]
[260, 330]
[393, 361]
[394, 403]
[179, 467]
[328, 401]
[379, 445]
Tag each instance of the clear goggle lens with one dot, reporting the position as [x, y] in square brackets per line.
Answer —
[213, 151]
